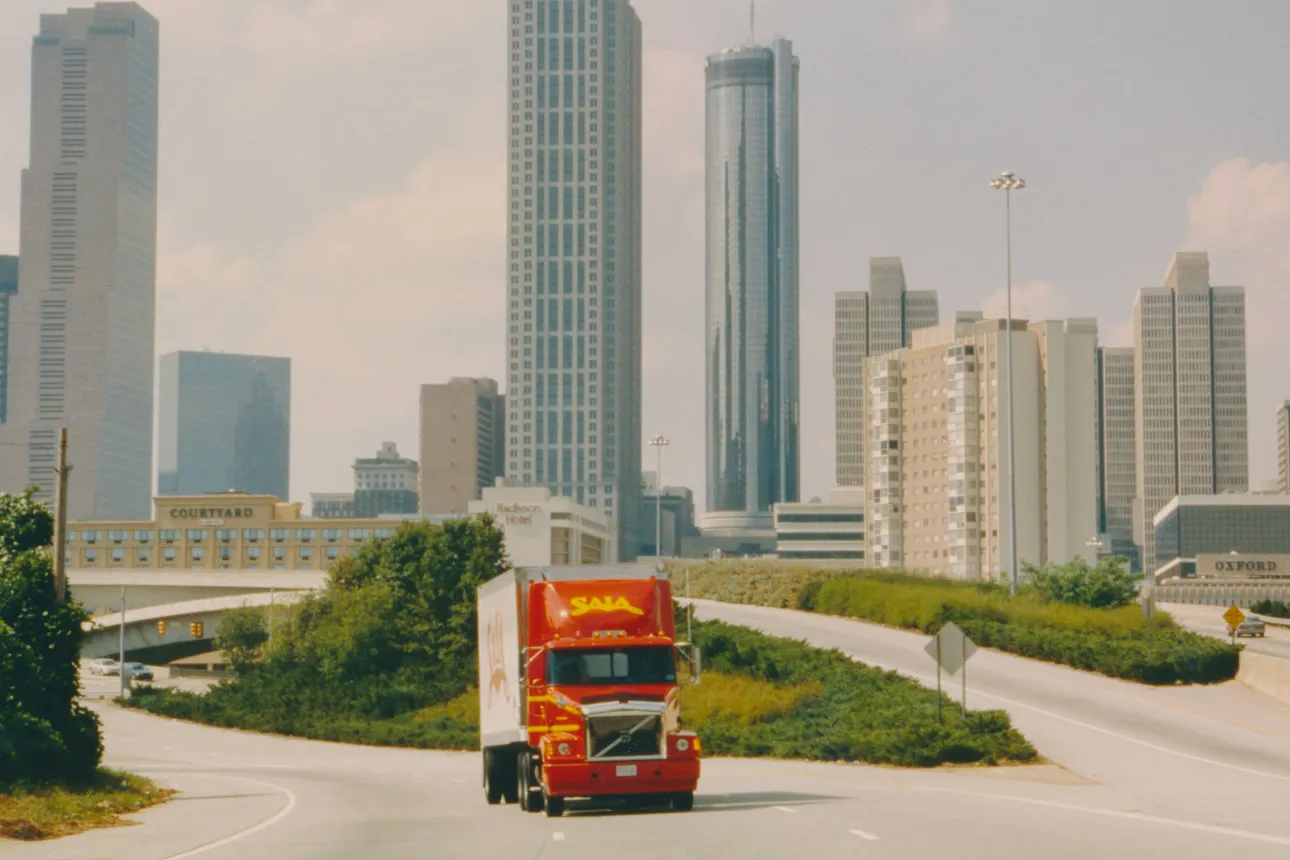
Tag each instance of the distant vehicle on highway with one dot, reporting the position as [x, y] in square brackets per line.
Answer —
[1252, 626]
[105, 666]
[138, 672]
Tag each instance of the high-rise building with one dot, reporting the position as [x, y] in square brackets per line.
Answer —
[385, 484]
[574, 264]
[463, 444]
[867, 324]
[937, 441]
[225, 424]
[1190, 407]
[82, 348]
[8, 288]
[1283, 446]
[752, 357]
[1116, 451]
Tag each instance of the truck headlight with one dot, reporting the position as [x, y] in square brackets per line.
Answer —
[682, 744]
[563, 749]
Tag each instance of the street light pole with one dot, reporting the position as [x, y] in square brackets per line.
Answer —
[658, 443]
[1007, 183]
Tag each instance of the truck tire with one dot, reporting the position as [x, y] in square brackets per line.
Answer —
[493, 790]
[554, 805]
[683, 802]
[530, 800]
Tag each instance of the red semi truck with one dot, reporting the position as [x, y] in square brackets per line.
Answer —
[579, 695]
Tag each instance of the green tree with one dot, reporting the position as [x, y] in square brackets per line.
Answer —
[241, 635]
[1109, 585]
[44, 733]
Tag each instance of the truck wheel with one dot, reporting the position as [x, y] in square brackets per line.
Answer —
[530, 801]
[554, 805]
[683, 802]
[492, 785]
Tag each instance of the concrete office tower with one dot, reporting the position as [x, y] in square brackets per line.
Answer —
[1116, 468]
[8, 288]
[225, 425]
[867, 324]
[1190, 407]
[82, 353]
[753, 400]
[574, 265]
[385, 484]
[463, 445]
[938, 448]
[1283, 446]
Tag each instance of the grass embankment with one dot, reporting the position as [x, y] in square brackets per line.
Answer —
[1114, 642]
[47, 812]
[762, 696]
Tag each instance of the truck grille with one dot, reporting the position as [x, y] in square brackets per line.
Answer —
[645, 742]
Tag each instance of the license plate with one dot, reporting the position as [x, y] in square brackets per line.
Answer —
[626, 770]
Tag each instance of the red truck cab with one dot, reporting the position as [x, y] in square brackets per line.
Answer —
[590, 706]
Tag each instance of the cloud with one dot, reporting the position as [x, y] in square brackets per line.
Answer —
[928, 21]
[1034, 300]
[1241, 216]
[372, 301]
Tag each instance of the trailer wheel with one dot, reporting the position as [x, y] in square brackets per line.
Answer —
[683, 802]
[493, 786]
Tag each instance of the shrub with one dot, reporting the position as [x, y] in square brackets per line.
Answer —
[1275, 608]
[1109, 585]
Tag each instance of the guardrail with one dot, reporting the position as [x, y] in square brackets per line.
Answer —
[1220, 594]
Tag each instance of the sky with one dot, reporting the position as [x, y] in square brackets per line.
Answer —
[333, 185]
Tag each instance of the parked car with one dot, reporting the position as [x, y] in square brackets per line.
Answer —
[1252, 626]
[138, 672]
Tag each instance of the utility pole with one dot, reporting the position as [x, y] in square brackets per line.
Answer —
[60, 520]
[121, 656]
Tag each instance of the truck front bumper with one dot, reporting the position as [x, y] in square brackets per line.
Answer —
[597, 779]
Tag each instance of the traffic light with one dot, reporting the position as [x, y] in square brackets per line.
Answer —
[196, 629]
[161, 627]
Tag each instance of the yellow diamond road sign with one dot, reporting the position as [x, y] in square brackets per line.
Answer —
[1233, 616]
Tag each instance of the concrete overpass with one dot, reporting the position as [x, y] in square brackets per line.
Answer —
[99, 589]
[143, 639]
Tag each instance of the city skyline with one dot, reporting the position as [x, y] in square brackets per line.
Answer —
[341, 201]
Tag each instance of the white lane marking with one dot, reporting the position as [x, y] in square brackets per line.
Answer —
[785, 809]
[255, 828]
[557, 836]
[1127, 816]
[864, 835]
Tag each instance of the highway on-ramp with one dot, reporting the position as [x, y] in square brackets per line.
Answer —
[1209, 620]
[1142, 773]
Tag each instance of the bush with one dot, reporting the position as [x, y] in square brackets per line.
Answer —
[44, 734]
[1109, 585]
[1275, 608]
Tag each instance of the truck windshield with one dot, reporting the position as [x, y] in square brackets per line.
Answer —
[591, 666]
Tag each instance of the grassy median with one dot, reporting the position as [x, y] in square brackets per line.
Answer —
[31, 813]
[1114, 642]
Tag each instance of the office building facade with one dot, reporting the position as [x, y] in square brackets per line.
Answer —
[1116, 469]
[385, 484]
[667, 520]
[463, 443]
[1228, 526]
[82, 327]
[822, 530]
[1283, 447]
[8, 289]
[752, 357]
[331, 506]
[225, 424]
[866, 324]
[937, 441]
[574, 254]
[1190, 402]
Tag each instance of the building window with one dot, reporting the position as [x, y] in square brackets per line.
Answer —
[198, 535]
[382, 534]
[253, 553]
[225, 553]
[91, 556]
[333, 534]
[279, 534]
[169, 535]
[118, 535]
[168, 555]
[197, 553]
[226, 535]
[333, 552]
[306, 552]
[253, 535]
[118, 556]
[92, 537]
[306, 534]
[279, 553]
[71, 537]
[143, 535]
[144, 554]
[359, 534]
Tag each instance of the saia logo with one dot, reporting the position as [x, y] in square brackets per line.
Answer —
[588, 605]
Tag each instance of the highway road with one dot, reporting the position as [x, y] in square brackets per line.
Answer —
[1209, 620]
[1143, 773]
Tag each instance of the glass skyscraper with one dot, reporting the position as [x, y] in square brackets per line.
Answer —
[82, 332]
[752, 282]
[574, 254]
[225, 424]
[8, 287]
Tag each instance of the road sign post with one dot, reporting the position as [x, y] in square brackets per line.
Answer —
[951, 649]
[1149, 612]
[940, 719]
[1233, 616]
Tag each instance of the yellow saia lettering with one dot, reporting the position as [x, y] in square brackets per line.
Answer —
[588, 605]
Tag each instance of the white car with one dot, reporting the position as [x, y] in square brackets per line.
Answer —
[102, 665]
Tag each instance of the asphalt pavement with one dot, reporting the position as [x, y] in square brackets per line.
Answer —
[1209, 620]
[1135, 772]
